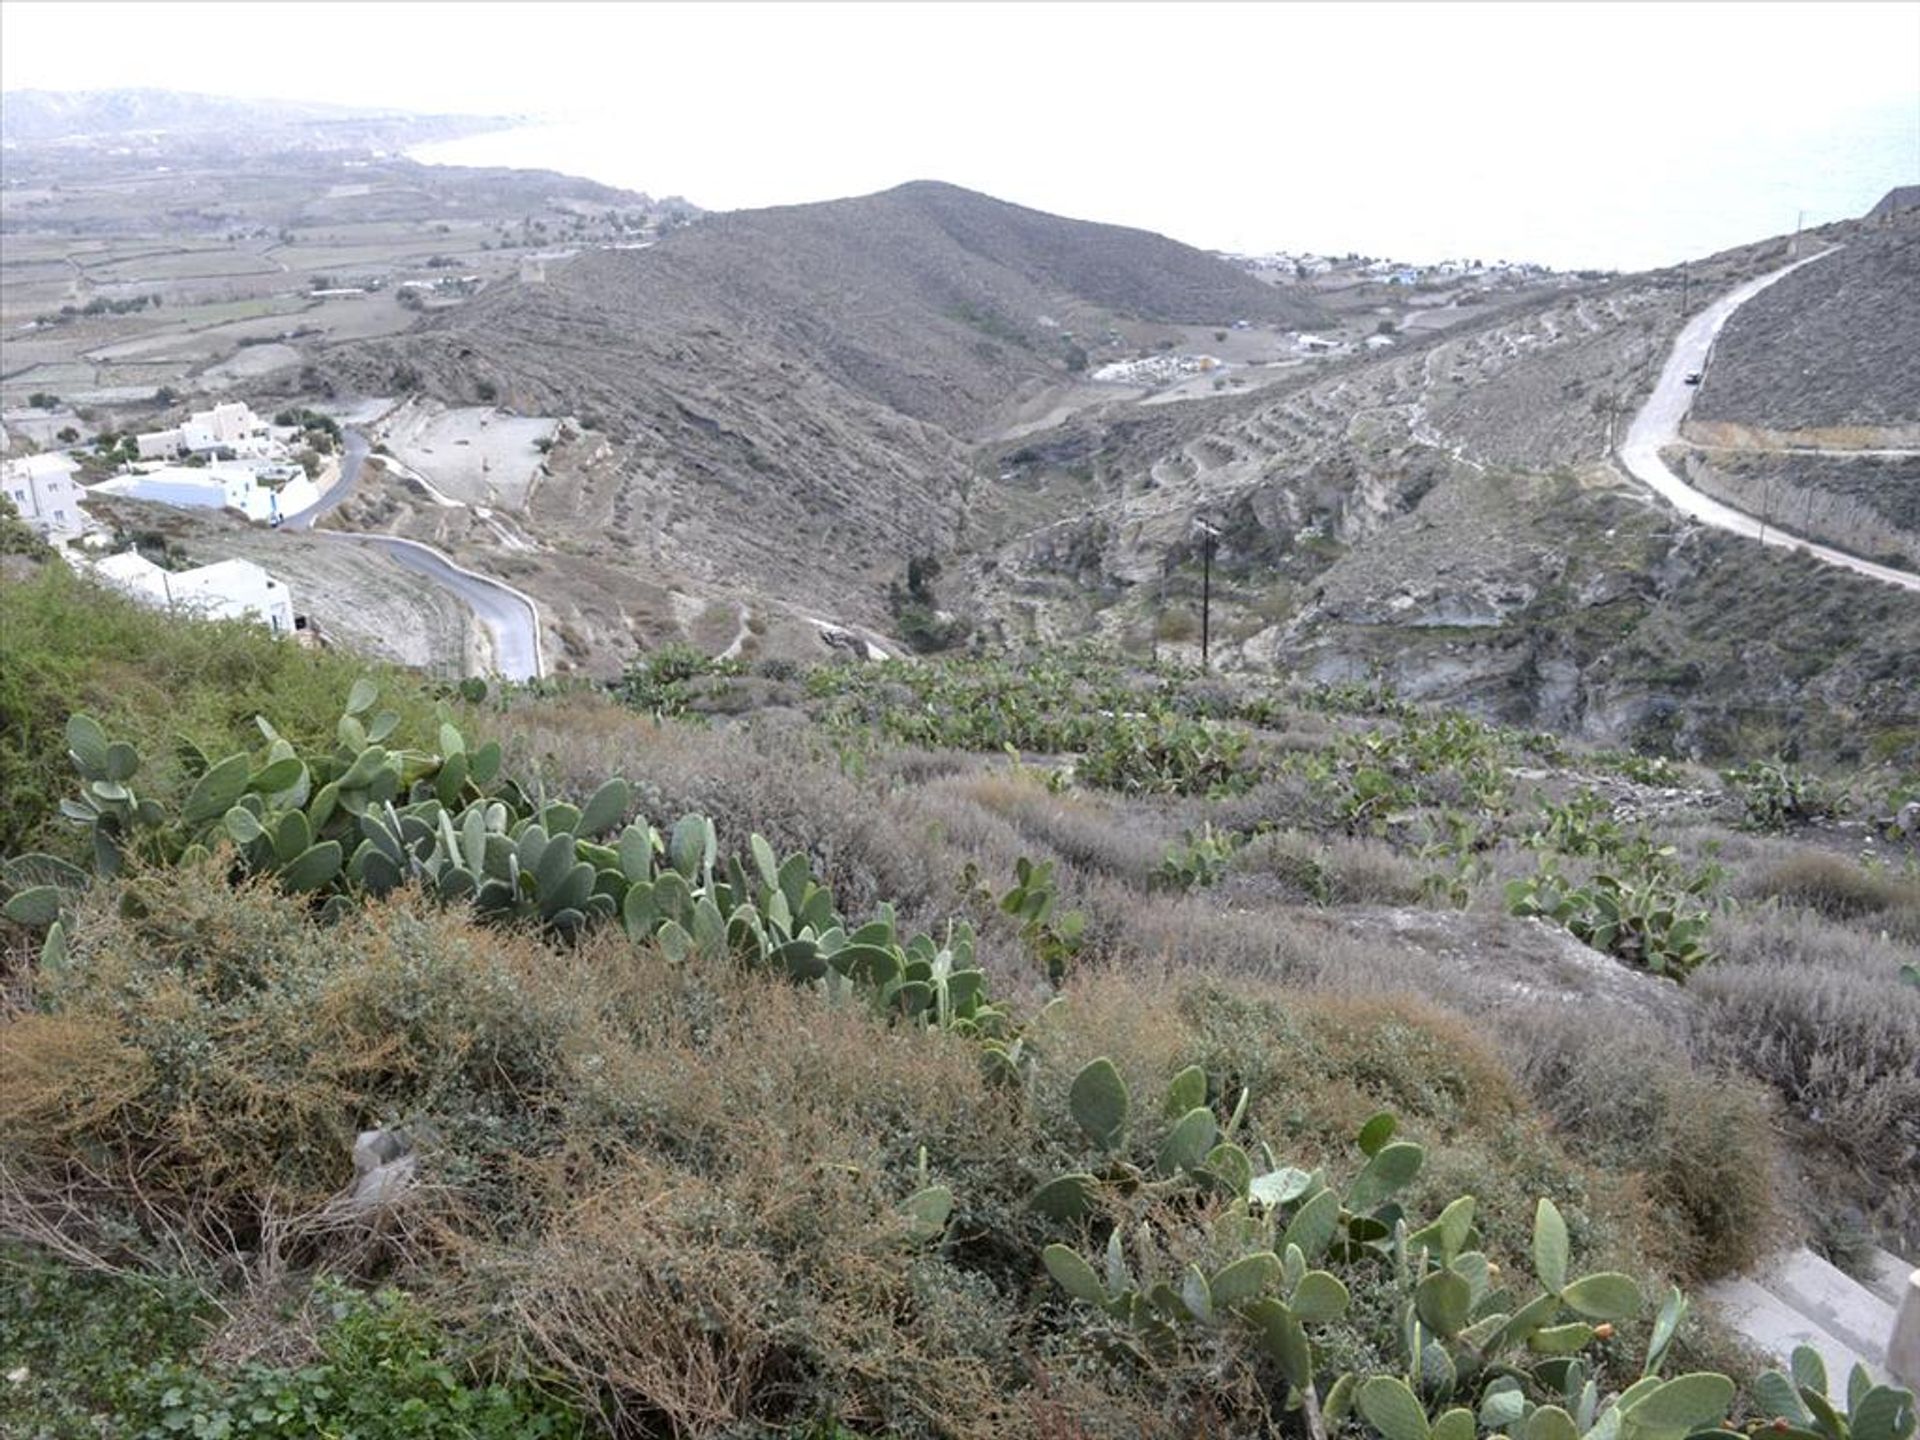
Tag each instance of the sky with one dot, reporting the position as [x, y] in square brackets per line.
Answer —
[1614, 136]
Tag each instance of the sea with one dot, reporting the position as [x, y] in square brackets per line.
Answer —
[1644, 208]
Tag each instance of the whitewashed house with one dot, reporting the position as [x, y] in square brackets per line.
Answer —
[159, 444]
[232, 426]
[43, 490]
[224, 590]
[227, 485]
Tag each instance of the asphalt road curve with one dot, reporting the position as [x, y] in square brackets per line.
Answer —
[353, 452]
[509, 616]
[1658, 426]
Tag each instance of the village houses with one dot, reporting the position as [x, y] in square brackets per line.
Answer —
[230, 485]
[232, 427]
[43, 490]
[224, 590]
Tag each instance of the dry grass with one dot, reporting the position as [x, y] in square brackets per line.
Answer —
[1305, 869]
[1093, 834]
[681, 1186]
[1839, 889]
[1816, 1010]
[1630, 1098]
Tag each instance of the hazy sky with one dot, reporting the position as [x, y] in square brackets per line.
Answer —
[1617, 135]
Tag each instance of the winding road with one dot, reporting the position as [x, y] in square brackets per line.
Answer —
[1658, 426]
[509, 615]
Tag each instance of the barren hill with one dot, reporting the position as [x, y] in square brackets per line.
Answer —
[1448, 514]
[790, 393]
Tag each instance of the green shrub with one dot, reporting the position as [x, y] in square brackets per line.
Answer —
[154, 679]
[1777, 796]
[121, 1352]
[1647, 917]
[19, 538]
[663, 681]
[1160, 754]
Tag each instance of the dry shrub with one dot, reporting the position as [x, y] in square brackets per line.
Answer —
[868, 844]
[1816, 1010]
[1835, 887]
[1628, 1097]
[681, 1185]
[236, 1048]
[1342, 870]
[1090, 834]
[722, 1241]
[62, 1076]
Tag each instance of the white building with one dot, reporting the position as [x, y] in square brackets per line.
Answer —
[224, 590]
[226, 485]
[232, 426]
[43, 490]
[159, 444]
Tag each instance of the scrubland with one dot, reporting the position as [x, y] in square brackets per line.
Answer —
[1233, 984]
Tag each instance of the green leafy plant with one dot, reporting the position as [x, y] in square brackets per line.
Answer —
[1584, 825]
[1052, 936]
[663, 681]
[1199, 860]
[1648, 916]
[362, 820]
[1801, 1408]
[1777, 796]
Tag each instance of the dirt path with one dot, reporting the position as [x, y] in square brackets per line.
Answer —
[1657, 426]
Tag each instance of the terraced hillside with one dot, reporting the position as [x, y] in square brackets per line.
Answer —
[1451, 515]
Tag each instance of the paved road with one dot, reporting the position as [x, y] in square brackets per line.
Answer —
[1658, 426]
[353, 453]
[510, 616]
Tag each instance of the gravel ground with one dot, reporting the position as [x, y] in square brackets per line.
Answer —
[478, 455]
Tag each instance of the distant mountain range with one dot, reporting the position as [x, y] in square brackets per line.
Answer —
[46, 117]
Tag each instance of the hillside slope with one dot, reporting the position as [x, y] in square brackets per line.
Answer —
[1832, 345]
[1449, 515]
[789, 393]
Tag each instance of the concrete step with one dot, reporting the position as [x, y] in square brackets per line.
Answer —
[1776, 1329]
[1887, 1276]
[1832, 1299]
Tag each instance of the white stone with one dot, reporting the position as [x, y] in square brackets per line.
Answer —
[1903, 1349]
[1837, 1302]
[1776, 1328]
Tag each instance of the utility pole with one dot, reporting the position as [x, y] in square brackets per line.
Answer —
[1207, 534]
[1686, 280]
